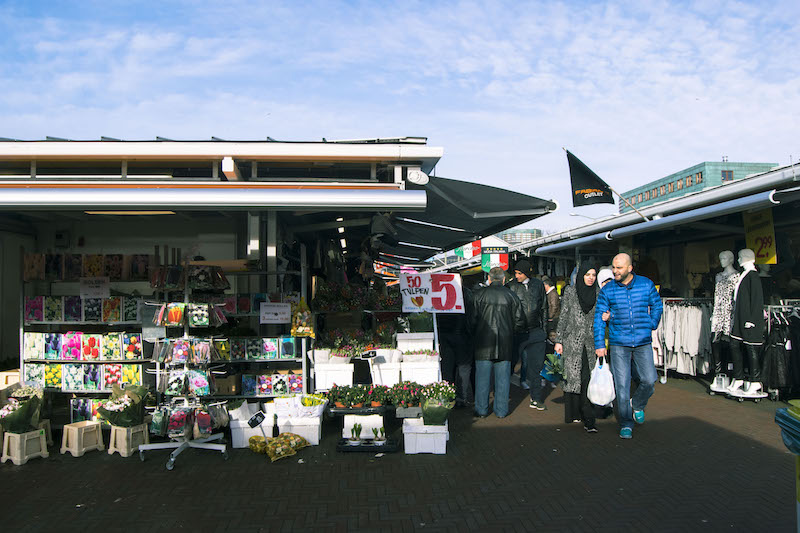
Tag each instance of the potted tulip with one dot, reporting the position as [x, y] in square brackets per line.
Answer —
[380, 436]
[355, 435]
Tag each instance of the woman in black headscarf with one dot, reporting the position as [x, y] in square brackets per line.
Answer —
[575, 343]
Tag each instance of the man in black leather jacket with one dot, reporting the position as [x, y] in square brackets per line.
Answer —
[531, 342]
[496, 315]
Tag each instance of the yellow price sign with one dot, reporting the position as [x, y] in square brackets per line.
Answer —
[760, 236]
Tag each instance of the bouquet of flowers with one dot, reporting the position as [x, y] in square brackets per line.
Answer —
[441, 390]
[553, 368]
[437, 401]
[405, 394]
[21, 413]
[125, 408]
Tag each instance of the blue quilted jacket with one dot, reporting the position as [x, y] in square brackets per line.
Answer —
[635, 313]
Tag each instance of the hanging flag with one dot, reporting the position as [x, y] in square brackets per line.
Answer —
[494, 256]
[587, 187]
[469, 250]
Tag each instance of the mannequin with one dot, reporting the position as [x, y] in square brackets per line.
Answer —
[721, 318]
[747, 330]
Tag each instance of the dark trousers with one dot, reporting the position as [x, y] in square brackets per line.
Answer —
[738, 361]
[577, 405]
[456, 355]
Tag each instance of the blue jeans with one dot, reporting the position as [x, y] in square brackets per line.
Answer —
[532, 346]
[502, 384]
[645, 368]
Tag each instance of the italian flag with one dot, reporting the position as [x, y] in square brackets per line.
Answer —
[494, 257]
[469, 250]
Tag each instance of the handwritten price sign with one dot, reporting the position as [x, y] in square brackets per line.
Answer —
[440, 293]
[760, 236]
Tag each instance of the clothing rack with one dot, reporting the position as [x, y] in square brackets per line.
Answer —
[676, 300]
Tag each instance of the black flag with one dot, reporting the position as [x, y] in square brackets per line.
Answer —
[587, 187]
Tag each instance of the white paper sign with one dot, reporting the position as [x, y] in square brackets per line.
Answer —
[271, 313]
[95, 288]
[440, 293]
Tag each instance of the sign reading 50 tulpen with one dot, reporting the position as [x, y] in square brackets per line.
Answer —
[435, 293]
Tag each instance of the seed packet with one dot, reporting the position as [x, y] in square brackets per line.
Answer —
[176, 382]
[198, 315]
[72, 377]
[33, 268]
[280, 384]
[181, 350]
[112, 347]
[198, 382]
[92, 310]
[201, 351]
[132, 374]
[73, 309]
[112, 375]
[52, 376]
[222, 347]
[53, 309]
[35, 372]
[112, 309]
[254, 349]
[175, 314]
[295, 384]
[92, 377]
[269, 348]
[73, 267]
[287, 348]
[130, 309]
[137, 267]
[131, 346]
[265, 385]
[93, 266]
[34, 308]
[238, 349]
[71, 346]
[243, 304]
[249, 385]
[91, 347]
[33, 345]
[80, 409]
[53, 267]
[113, 266]
[52, 345]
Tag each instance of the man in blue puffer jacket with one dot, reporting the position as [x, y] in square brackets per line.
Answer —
[635, 309]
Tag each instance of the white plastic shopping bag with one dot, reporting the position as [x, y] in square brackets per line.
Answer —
[601, 384]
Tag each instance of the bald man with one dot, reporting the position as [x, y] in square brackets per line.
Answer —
[635, 311]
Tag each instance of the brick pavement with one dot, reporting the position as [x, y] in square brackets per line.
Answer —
[529, 472]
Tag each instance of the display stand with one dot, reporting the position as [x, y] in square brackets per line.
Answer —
[366, 414]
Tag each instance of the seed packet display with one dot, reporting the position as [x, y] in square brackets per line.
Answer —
[131, 346]
[238, 349]
[280, 384]
[53, 267]
[254, 349]
[71, 345]
[137, 267]
[130, 309]
[35, 372]
[73, 309]
[72, 377]
[112, 309]
[52, 345]
[132, 374]
[198, 382]
[287, 348]
[112, 375]
[33, 268]
[34, 308]
[198, 315]
[91, 347]
[201, 351]
[258, 299]
[112, 347]
[295, 384]
[52, 376]
[222, 347]
[265, 385]
[112, 266]
[93, 266]
[33, 345]
[92, 309]
[243, 304]
[181, 350]
[249, 384]
[73, 267]
[269, 348]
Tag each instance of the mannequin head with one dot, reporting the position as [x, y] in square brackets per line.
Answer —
[746, 256]
[726, 258]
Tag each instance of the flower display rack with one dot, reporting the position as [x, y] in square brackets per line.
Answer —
[82, 437]
[20, 447]
[126, 441]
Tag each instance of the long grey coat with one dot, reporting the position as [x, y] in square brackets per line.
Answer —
[575, 332]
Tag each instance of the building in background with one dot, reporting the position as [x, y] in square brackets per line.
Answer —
[518, 236]
[690, 180]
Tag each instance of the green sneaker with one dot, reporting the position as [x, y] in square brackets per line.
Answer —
[626, 433]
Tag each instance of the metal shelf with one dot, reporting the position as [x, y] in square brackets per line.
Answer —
[90, 362]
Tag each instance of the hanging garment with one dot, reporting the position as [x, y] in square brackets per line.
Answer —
[775, 365]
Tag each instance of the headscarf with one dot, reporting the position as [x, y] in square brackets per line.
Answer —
[603, 275]
[587, 296]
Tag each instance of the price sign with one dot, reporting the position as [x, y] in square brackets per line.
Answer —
[270, 313]
[95, 288]
[760, 236]
[440, 293]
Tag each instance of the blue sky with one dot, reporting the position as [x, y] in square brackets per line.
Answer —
[637, 90]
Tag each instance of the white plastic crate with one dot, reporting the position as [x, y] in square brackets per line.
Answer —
[328, 374]
[384, 373]
[407, 342]
[367, 423]
[308, 428]
[419, 438]
[241, 431]
[422, 373]
[20, 447]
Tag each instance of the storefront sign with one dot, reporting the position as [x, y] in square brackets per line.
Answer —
[494, 256]
[95, 288]
[271, 313]
[760, 236]
[439, 293]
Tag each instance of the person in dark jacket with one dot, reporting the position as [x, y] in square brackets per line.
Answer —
[531, 341]
[455, 349]
[636, 309]
[496, 314]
